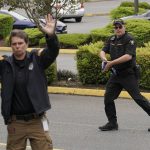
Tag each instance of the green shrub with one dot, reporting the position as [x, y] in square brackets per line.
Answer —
[143, 57]
[34, 36]
[101, 34]
[127, 4]
[89, 65]
[42, 42]
[73, 40]
[6, 42]
[139, 28]
[92, 47]
[144, 5]
[120, 12]
[127, 9]
[70, 40]
[147, 45]
[51, 73]
[6, 25]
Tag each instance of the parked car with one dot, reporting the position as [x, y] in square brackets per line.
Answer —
[21, 22]
[142, 16]
[75, 11]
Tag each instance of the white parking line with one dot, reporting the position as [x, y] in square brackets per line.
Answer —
[28, 147]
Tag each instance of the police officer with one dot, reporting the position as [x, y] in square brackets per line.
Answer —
[24, 89]
[122, 49]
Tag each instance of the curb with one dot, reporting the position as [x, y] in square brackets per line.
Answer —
[88, 92]
[96, 14]
[78, 91]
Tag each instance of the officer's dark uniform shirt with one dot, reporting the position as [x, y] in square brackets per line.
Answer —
[21, 104]
[118, 47]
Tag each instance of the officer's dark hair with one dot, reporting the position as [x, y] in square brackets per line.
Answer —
[18, 33]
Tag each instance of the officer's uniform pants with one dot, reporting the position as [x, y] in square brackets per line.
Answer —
[114, 88]
[19, 131]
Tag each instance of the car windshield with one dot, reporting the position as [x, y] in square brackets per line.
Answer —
[147, 14]
[17, 16]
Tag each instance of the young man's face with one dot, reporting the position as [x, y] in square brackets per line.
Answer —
[119, 29]
[19, 47]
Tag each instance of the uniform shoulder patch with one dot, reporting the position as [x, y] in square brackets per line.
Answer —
[112, 38]
[131, 42]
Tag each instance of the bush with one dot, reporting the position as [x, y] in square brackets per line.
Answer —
[143, 57]
[101, 34]
[89, 65]
[51, 73]
[120, 12]
[144, 5]
[6, 25]
[139, 28]
[42, 42]
[70, 40]
[92, 47]
[73, 40]
[127, 9]
[34, 36]
[127, 4]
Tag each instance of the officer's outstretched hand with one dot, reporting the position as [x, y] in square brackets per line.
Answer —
[50, 24]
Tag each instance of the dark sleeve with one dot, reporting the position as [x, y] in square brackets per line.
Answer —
[0, 69]
[1, 63]
[49, 54]
[106, 47]
[130, 47]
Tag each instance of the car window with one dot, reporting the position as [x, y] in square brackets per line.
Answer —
[17, 16]
[62, 1]
[148, 15]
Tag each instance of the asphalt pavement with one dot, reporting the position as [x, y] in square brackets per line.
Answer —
[103, 7]
[74, 122]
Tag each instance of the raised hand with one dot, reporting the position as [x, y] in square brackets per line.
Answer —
[50, 25]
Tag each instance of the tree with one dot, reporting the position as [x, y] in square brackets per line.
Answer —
[136, 9]
[36, 9]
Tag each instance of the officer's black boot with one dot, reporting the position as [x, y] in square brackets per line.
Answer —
[109, 126]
